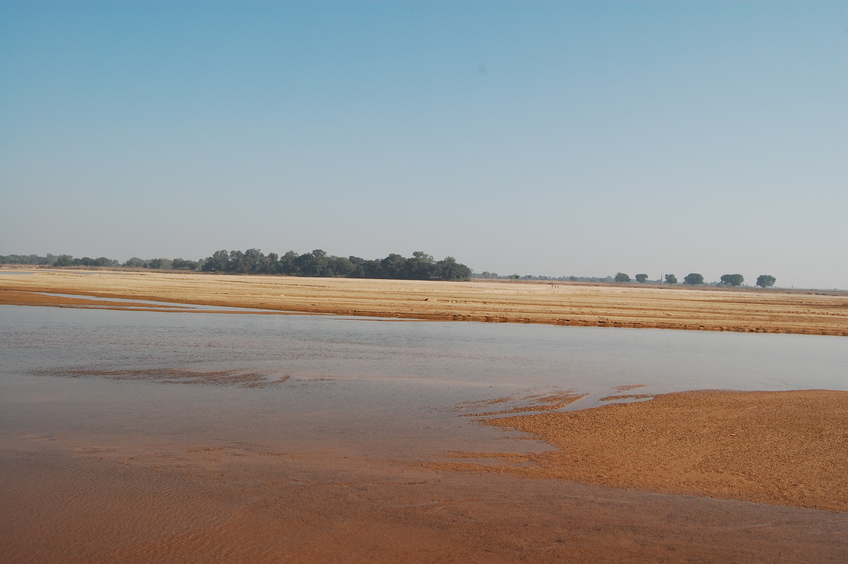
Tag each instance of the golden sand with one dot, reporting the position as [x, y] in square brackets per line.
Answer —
[782, 448]
[678, 307]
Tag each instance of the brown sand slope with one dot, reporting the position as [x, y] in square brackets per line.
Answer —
[772, 311]
[784, 448]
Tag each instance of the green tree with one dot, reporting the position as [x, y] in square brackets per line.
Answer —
[159, 263]
[218, 262]
[393, 266]
[271, 263]
[136, 262]
[732, 279]
[765, 280]
[641, 278]
[420, 267]
[254, 261]
[237, 262]
[622, 277]
[286, 264]
[449, 269]
[340, 266]
[312, 264]
[64, 260]
[670, 279]
[693, 279]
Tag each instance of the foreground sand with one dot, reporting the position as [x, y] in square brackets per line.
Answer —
[72, 509]
[246, 503]
[711, 309]
[784, 448]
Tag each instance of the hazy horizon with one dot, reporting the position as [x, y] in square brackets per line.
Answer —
[750, 280]
[543, 138]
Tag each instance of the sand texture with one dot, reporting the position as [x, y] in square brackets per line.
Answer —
[678, 307]
[206, 506]
[783, 448]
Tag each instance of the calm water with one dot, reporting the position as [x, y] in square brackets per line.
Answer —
[320, 383]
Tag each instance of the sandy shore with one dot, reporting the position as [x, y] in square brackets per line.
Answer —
[783, 448]
[710, 309]
[670, 479]
[82, 509]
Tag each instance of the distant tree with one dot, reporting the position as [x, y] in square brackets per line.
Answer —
[693, 279]
[732, 279]
[420, 267]
[237, 262]
[340, 266]
[28, 259]
[449, 269]
[765, 280]
[393, 266]
[254, 261]
[271, 263]
[622, 277]
[641, 278]
[312, 264]
[182, 264]
[514, 276]
[159, 263]
[670, 279]
[136, 262]
[64, 260]
[285, 265]
[218, 262]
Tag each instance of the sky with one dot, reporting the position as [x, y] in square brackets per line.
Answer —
[547, 138]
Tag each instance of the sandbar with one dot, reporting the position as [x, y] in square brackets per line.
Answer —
[598, 305]
[783, 448]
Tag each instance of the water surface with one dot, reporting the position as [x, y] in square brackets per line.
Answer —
[129, 436]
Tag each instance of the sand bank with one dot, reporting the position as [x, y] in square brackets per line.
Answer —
[208, 505]
[783, 448]
[666, 307]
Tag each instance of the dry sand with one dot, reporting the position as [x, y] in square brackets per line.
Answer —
[678, 307]
[783, 448]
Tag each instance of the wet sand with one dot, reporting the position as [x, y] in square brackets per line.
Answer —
[782, 448]
[666, 307]
[211, 505]
[249, 503]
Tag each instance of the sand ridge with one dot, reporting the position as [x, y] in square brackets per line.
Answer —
[666, 307]
[782, 448]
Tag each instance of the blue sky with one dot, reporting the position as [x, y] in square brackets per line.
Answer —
[555, 138]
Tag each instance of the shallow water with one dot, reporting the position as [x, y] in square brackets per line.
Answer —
[248, 398]
[355, 378]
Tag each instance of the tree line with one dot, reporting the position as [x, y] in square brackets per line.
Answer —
[57, 260]
[695, 279]
[420, 266]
